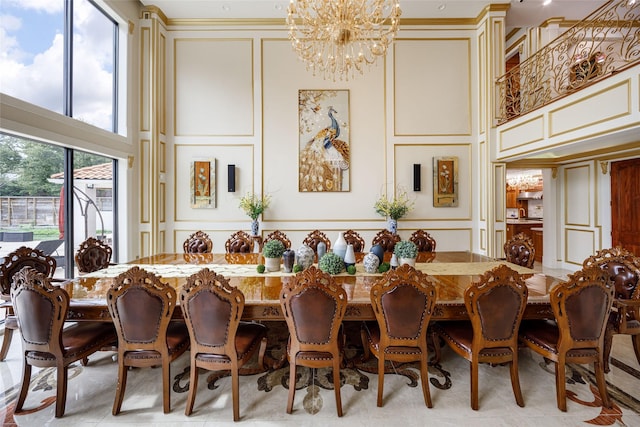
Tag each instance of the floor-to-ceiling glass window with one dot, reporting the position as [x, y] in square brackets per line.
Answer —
[33, 202]
[61, 55]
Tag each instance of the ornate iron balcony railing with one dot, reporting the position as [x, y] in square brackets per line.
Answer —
[605, 42]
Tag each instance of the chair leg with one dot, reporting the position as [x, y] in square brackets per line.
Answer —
[635, 340]
[120, 387]
[166, 386]
[424, 375]
[193, 386]
[515, 379]
[608, 342]
[24, 389]
[474, 384]
[61, 397]
[436, 347]
[235, 391]
[292, 384]
[602, 385]
[336, 383]
[261, 352]
[6, 343]
[366, 354]
[380, 376]
[561, 385]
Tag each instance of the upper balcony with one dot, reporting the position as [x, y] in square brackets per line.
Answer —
[586, 78]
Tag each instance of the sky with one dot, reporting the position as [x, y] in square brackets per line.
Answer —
[31, 57]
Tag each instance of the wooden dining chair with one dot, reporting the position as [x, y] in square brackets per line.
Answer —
[212, 310]
[141, 307]
[93, 255]
[423, 241]
[41, 309]
[313, 305]
[198, 243]
[279, 235]
[520, 250]
[239, 242]
[386, 239]
[316, 236]
[14, 262]
[495, 305]
[624, 271]
[581, 307]
[353, 238]
[403, 302]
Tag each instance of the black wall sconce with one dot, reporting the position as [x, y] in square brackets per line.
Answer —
[416, 177]
[231, 178]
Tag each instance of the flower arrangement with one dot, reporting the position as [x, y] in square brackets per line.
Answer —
[253, 205]
[405, 249]
[331, 263]
[395, 208]
[273, 249]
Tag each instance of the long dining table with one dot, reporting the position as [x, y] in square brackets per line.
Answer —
[452, 272]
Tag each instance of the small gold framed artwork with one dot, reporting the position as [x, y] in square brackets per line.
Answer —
[445, 181]
[203, 184]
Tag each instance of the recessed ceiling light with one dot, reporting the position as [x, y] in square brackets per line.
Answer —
[225, 7]
[547, 2]
[278, 6]
[442, 6]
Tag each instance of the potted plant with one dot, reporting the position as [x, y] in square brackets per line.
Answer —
[394, 209]
[272, 251]
[331, 263]
[253, 205]
[406, 251]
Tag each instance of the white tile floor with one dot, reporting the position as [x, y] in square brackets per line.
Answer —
[91, 391]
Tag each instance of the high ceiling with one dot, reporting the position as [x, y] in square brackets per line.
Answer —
[522, 13]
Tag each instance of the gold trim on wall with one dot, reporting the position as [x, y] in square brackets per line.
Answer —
[584, 99]
[566, 245]
[587, 195]
[145, 148]
[251, 83]
[469, 85]
[162, 200]
[527, 142]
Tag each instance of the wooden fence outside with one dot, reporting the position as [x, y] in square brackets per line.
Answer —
[30, 211]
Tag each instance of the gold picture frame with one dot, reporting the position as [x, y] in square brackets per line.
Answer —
[445, 181]
[324, 147]
[203, 184]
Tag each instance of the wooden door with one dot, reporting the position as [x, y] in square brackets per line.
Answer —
[625, 205]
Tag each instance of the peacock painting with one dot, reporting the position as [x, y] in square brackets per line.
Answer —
[324, 148]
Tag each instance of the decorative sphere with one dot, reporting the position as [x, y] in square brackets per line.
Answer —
[305, 256]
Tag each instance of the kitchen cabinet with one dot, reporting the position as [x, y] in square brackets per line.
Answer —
[537, 242]
[512, 198]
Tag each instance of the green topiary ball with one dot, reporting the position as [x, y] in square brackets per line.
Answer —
[331, 263]
[351, 269]
[297, 268]
[260, 268]
[384, 267]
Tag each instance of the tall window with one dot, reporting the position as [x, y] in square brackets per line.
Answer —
[34, 208]
[61, 55]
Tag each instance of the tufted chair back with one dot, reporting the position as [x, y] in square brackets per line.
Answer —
[520, 250]
[24, 257]
[239, 242]
[386, 239]
[279, 235]
[93, 255]
[315, 237]
[353, 238]
[423, 241]
[198, 243]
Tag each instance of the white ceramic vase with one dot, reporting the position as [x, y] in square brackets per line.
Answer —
[410, 261]
[349, 256]
[340, 246]
[272, 264]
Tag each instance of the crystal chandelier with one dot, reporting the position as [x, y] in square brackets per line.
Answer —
[337, 37]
